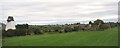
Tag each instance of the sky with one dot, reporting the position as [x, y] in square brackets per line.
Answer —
[45, 12]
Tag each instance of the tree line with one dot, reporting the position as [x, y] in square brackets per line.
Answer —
[25, 29]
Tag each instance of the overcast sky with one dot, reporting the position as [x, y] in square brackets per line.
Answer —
[58, 11]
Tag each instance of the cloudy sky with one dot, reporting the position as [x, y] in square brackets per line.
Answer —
[58, 11]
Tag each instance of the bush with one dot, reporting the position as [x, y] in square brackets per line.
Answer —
[61, 31]
[20, 32]
[68, 29]
[76, 28]
[9, 33]
[17, 32]
[29, 32]
[104, 26]
[37, 31]
[113, 25]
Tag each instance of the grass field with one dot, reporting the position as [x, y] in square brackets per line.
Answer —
[85, 38]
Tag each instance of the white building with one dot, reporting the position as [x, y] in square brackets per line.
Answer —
[10, 23]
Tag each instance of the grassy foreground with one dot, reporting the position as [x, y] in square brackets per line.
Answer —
[85, 38]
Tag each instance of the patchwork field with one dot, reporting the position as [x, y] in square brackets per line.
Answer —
[84, 38]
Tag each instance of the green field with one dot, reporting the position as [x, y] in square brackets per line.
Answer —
[84, 38]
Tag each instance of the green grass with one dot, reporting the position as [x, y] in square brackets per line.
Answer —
[87, 38]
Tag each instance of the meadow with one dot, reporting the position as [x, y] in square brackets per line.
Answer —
[107, 37]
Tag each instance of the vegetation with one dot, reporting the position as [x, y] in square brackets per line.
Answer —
[107, 37]
[25, 29]
[97, 33]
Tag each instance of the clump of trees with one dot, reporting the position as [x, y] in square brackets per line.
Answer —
[25, 29]
[101, 25]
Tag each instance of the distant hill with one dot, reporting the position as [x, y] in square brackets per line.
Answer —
[2, 26]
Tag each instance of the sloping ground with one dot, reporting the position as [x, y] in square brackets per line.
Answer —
[87, 38]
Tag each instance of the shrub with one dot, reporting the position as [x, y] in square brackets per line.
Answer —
[67, 29]
[104, 26]
[20, 32]
[9, 33]
[113, 25]
[37, 31]
[76, 28]
[61, 31]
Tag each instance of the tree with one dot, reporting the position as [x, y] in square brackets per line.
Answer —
[22, 26]
[76, 23]
[98, 22]
[90, 22]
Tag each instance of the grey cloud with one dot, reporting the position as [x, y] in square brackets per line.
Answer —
[59, 11]
[103, 13]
